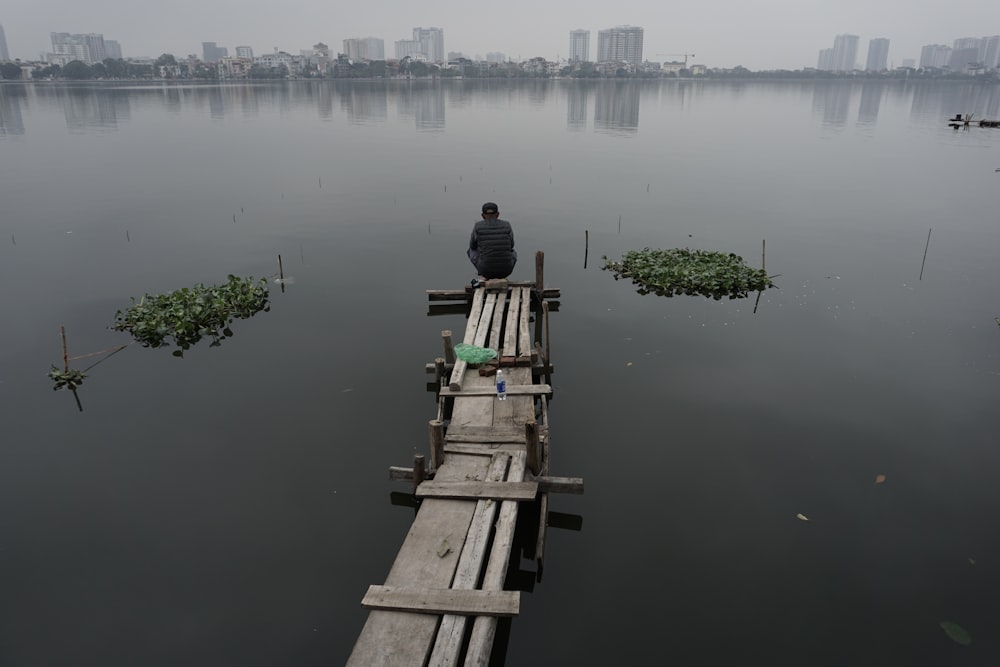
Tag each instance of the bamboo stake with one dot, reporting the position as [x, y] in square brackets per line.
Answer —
[281, 275]
[62, 332]
[540, 272]
[925, 254]
[586, 246]
[548, 340]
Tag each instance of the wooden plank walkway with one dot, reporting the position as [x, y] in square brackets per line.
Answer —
[444, 593]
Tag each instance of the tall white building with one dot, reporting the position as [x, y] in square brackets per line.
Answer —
[990, 50]
[934, 55]
[4, 54]
[244, 52]
[431, 43]
[364, 48]
[579, 46]
[408, 48]
[878, 55]
[112, 49]
[88, 49]
[845, 53]
[621, 43]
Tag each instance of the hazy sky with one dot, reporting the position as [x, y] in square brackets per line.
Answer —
[722, 33]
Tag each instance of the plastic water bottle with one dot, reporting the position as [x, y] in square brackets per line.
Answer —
[501, 386]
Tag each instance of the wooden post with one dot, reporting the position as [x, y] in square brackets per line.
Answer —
[436, 429]
[548, 339]
[438, 371]
[419, 471]
[62, 332]
[449, 347]
[540, 272]
[534, 453]
[586, 246]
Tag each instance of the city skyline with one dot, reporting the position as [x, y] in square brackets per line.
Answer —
[731, 34]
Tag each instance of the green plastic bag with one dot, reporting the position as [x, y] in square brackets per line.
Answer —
[473, 354]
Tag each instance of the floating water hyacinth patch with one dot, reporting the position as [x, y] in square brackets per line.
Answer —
[66, 379]
[191, 313]
[679, 271]
[956, 633]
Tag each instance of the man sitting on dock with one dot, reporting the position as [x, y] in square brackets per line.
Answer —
[491, 247]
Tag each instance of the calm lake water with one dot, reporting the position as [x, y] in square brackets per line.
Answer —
[232, 507]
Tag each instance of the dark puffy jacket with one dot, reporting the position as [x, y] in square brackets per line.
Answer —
[494, 241]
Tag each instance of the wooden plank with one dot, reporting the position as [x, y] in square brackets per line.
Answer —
[483, 330]
[428, 555]
[524, 346]
[464, 295]
[512, 390]
[510, 331]
[466, 490]
[458, 372]
[484, 627]
[451, 632]
[488, 439]
[548, 484]
[443, 601]
[494, 339]
[473, 411]
[475, 450]
[457, 431]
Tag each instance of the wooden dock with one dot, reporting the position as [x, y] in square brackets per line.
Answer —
[445, 591]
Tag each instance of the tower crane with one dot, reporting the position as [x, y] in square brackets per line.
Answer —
[677, 55]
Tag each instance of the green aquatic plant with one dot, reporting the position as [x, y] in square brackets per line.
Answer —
[684, 271]
[66, 379]
[191, 313]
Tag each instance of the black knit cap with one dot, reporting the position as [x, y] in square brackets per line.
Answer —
[490, 207]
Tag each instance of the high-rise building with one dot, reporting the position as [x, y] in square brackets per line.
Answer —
[620, 44]
[845, 53]
[961, 59]
[408, 48]
[878, 54]
[87, 48]
[825, 60]
[966, 43]
[112, 49]
[4, 54]
[210, 53]
[364, 48]
[579, 46]
[431, 43]
[990, 51]
[244, 52]
[934, 56]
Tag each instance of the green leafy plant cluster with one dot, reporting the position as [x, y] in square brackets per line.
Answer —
[683, 271]
[189, 314]
[69, 379]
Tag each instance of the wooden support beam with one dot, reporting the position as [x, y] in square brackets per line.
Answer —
[489, 439]
[533, 446]
[543, 527]
[515, 390]
[449, 347]
[524, 346]
[573, 485]
[548, 340]
[464, 295]
[510, 331]
[472, 490]
[435, 430]
[419, 471]
[470, 333]
[443, 601]
[439, 370]
[400, 474]
[480, 450]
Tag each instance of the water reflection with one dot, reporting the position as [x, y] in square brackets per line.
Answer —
[424, 103]
[936, 101]
[612, 105]
[11, 98]
[832, 102]
[871, 98]
[577, 98]
[616, 107]
[365, 103]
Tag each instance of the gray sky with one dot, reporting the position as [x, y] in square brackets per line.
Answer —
[722, 33]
